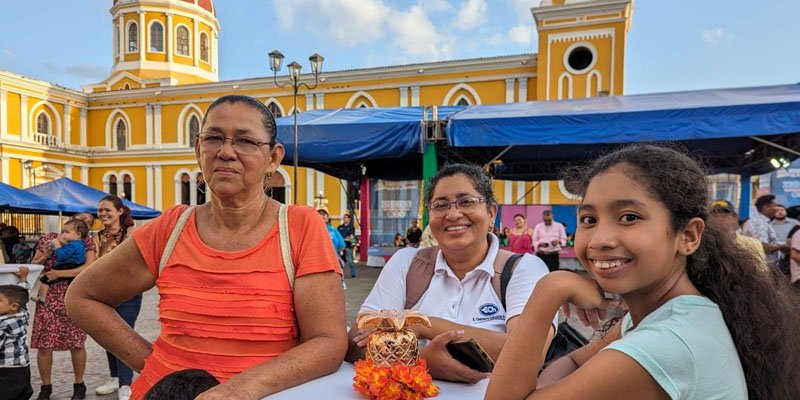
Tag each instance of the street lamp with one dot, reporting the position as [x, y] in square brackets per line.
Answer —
[275, 61]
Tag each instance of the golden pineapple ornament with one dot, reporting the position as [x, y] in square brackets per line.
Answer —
[392, 341]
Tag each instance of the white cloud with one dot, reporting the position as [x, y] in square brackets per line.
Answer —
[521, 34]
[87, 71]
[436, 6]
[472, 14]
[9, 54]
[347, 22]
[714, 36]
[522, 8]
[416, 35]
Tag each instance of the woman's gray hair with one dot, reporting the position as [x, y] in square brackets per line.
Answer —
[480, 180]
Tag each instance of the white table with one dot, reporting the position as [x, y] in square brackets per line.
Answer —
[339, 385]
[7, 270]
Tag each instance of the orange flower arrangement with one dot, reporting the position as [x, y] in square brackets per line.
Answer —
[395, 382]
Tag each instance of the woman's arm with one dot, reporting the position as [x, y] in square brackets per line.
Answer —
[96, 292]
[91, 257]
[567, 364]
[608, 374]
[319, 303]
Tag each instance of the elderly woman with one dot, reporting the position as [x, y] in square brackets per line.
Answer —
[252, 298]
[52, 329]
[460, 298]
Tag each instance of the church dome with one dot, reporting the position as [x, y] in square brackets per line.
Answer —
[207, 5]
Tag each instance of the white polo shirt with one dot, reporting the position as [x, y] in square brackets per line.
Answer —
[471, 301]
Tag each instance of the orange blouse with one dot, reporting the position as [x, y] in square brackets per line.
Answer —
[225, 312]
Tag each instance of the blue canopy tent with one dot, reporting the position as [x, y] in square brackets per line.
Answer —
[20, 201]
[386, 141]
[73, 197]
[734, 130]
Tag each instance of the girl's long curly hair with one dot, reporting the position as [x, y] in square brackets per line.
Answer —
[761, 310]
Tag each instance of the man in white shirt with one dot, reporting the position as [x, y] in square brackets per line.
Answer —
[548, 238]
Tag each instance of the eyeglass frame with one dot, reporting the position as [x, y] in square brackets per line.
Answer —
[454, 203]
[233, 141]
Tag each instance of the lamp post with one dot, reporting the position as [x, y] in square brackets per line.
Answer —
[275, 61]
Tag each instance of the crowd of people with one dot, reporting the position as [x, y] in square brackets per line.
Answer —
[252, 301]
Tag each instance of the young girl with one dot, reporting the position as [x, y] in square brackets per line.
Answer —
[703, 322]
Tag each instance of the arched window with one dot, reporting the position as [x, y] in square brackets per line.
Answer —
[122, 135]
[127, 187]
[194, 129]
[204, 47]
[182, 41]
[200, 190]
[185, 189]
[462, 102]
[133, 37]
[43, 123]
[112, 185]
[156, 36]
[275, 110]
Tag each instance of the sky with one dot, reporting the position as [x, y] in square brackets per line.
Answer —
[673, 44]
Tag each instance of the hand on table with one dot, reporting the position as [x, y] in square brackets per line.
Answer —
[22, 274]
[443, 366]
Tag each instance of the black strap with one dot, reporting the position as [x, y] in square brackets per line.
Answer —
[505, 276]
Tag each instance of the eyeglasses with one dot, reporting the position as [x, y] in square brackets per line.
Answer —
[241, 144]
[465, 204]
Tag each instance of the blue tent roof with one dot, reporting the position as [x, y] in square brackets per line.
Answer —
[716, 123]
[18, 200]
[74, 197]
[338, 141]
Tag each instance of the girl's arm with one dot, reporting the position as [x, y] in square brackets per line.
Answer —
[566, 365]
[607, 374]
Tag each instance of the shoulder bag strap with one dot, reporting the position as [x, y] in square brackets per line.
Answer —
[173, 237]
[420, 273]
[286, 246]
[504, 264]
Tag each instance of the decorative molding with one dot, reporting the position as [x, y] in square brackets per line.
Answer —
[563, 37]
[320, 100]
[111, 129]
[403, 96]
[183, 122]
[565, 76]
[364, 97]
[510, 90]
[469, 89]
[523, 89]
[572, 47]
[33, 115]
[272, 100]
[594, 90]
[549, 12]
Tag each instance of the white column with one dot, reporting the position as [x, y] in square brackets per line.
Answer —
[26, 182]
[148, 125]
[68, 171]
[343, 197]
[508, 197]
[320, 178]
[3, 113]
[196, 43]
[523, 89]
[67, 127]
[404, 96]
[545, 192]
[309, 187]
[309, 101]
[142, 42]
[192, 190]
[83, 127]
[5, 166]
[159, 198]
[149, 185]
[85, 175]
[157, 124]
[168, 37]
[320, 100]
[520, 191]
[121, 28]
[214, 52]
[510, 90]
[414, 96]
[23, 117]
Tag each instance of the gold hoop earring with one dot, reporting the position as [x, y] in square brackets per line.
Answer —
[268, 185]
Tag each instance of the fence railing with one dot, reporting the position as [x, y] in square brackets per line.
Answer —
[45, 139]
[30, 225]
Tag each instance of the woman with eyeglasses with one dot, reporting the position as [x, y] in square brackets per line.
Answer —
[457, 291]
[250, 289]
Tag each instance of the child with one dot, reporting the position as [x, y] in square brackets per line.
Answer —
[22, 252]
[703, 322]
[15, 372]
[182, 385]
[69, 248]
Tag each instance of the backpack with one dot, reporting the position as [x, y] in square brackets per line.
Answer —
[422, 267]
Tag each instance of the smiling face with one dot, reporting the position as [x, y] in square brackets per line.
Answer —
[455, 229]
[519, 222]
[625, 238]
[108, 214]
[230, 173]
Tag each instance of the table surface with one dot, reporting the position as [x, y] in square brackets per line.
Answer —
[6, 270]
[339, 385]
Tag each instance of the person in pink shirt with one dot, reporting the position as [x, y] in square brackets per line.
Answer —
[520, 240]
[548, 237]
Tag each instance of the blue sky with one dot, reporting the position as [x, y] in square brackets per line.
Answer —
[673, 44]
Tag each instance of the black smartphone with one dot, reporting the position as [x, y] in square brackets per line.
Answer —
[471, 354]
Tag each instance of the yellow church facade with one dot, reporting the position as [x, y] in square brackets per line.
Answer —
[133, 133]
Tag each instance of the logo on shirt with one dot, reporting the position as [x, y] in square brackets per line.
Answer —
[488, 309]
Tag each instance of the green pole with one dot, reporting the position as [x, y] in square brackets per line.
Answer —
[429, 168]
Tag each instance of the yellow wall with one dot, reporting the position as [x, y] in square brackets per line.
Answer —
[12, 106]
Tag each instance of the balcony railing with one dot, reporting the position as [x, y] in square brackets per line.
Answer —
[45, 139]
